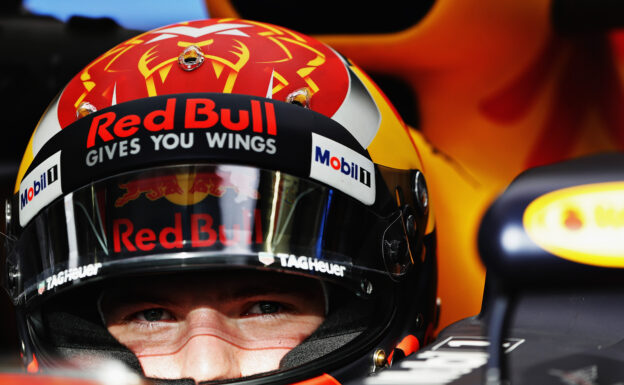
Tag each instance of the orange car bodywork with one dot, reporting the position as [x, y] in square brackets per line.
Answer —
[499, 90]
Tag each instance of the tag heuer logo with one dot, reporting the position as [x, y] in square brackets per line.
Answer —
[266, 258]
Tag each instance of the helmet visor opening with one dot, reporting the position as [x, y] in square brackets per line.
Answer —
[200, 216]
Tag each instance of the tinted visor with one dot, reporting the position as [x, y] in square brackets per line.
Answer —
[204, 216]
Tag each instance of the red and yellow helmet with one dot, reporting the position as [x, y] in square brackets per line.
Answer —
[223, 144]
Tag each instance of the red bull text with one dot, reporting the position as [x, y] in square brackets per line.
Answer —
[200, 113]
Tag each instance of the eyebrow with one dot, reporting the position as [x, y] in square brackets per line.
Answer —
[241, 291]
[254, 290]
[132, 297]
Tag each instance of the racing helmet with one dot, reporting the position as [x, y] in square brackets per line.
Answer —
[223, 146]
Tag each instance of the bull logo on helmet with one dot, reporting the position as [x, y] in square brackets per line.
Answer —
[238, 57]
[189, 189]
[155, 69]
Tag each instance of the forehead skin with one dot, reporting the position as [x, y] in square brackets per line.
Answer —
[221, 286]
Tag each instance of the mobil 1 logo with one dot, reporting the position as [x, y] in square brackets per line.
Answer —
[341, 167]
[40, 187]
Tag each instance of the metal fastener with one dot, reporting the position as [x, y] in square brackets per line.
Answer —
[410, 225]
[300, 97]
[380, 359]
[191, 58]
[84, 109]
[420, 191]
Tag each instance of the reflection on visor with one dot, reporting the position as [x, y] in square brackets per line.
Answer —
[201, 216]
[237, 193]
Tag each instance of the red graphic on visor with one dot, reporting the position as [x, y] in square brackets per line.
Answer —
[152, 188]
[217, 185]
[189, 189]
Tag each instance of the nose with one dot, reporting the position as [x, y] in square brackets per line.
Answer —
[207, 357]
[209, 353]
[204, 350]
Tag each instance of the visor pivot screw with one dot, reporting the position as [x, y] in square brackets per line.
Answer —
[420, 191]
[366, 286]
[191, 58]
[7, 216]
[410, 226]
[13, 278]
[300, 97]
[84, 109]
[380, 358]
[393, 248]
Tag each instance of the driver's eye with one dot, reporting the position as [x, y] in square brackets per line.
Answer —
[265, 307]
[153, 315]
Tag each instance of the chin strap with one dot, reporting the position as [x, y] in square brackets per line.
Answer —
[407, 346]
